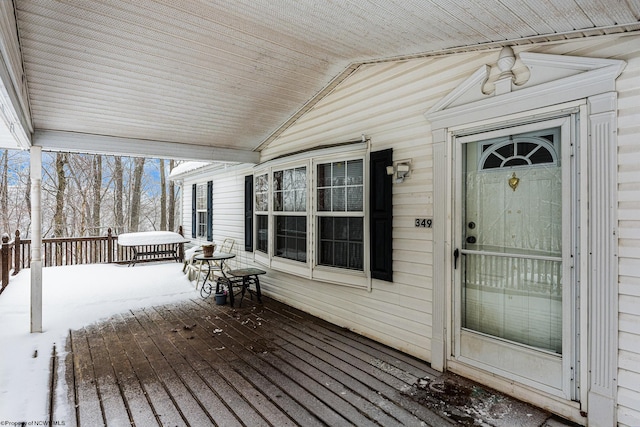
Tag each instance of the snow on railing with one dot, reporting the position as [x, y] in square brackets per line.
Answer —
[16, 254]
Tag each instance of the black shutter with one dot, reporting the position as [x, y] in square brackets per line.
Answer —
[381, 215]
[248, 213]
[194, 212]
[210, 211]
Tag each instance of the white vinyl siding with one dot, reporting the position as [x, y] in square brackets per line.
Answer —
[386, 102]
[629, 232]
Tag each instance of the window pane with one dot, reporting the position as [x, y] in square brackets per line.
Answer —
[300, 200]
[277, 180]
[326, 228]
[262, 191]
[290, 190]
[354, 199]
[281, 246]
[300, 178]
[355, 256]
[341, 230]
[201, 197]
[339, 174]
[261, 202]
[301, 225]
[324, 175]
[261, 184]
[287, 180]
[288, 198]
[202, 224]
[355, 229]
[263, 233]
[301, 255]
[340, 242]
[338, 196]
[354, 172]
[347, 189]
[340, 254]
[291, 237]
[277, 201]
[326, 253]
[324, 199]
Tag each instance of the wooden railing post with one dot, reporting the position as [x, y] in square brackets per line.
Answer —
[17, 264]
[109, 246]
[181, 248]
[5, 260]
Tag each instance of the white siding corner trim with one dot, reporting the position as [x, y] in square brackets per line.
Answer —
[603, 260]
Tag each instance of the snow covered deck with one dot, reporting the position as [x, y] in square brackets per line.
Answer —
[199, 364]
[140, 347]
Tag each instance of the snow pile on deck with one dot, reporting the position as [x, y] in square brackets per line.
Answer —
[73, 296]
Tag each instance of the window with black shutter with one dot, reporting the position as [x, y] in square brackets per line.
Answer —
[311, 215]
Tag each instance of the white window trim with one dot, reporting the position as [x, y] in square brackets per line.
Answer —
[311, 269]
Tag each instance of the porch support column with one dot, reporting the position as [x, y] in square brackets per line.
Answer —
[36, 239]
[603, 261]
[441, 249]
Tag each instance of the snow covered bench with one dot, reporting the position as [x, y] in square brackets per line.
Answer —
[153, 245]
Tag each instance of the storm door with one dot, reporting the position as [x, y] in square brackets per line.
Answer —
[513, 249]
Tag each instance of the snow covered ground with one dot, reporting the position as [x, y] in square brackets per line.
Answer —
[73, 296]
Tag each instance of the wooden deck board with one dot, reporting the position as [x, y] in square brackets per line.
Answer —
[135, 397]
[89, 404]
[197, 364]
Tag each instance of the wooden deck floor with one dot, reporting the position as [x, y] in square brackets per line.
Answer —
[200, 364]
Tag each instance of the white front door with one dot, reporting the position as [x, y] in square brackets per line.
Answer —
[513, 309]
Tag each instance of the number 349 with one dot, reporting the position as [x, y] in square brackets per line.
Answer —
[424, 222]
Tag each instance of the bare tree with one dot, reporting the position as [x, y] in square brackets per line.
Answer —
[97, 195]
[59, 215]
[137, 194]
[118, 184]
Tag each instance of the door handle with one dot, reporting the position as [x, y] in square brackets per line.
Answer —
[456, 255]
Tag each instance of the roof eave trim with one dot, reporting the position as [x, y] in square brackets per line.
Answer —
[73, 142]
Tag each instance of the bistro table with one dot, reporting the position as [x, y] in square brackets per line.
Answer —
[214, 262]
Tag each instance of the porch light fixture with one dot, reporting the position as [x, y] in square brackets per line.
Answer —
[400, 170]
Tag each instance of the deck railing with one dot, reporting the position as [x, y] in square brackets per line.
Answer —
[16, 254]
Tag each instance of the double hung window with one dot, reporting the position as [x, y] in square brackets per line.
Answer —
[262, 212]
[201, 210]
[340, 214]
[290, 213]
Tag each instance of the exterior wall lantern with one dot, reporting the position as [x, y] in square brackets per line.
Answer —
[400, 170]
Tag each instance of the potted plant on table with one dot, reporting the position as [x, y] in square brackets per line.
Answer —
[208, 248]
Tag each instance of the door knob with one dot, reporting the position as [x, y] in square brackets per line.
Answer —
[471, 239]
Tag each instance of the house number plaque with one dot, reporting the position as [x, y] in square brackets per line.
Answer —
[424, 222]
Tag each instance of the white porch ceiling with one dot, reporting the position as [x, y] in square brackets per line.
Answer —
[221, 77]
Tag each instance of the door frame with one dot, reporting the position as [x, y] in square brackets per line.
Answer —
[563, 365]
